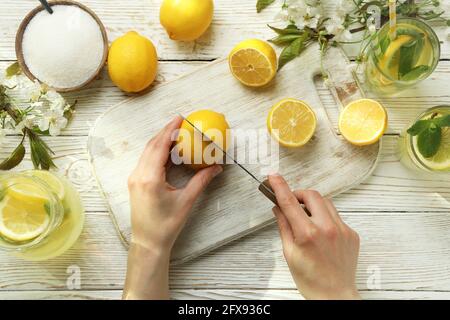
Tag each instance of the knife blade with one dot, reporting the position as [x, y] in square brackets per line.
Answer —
[264, 186]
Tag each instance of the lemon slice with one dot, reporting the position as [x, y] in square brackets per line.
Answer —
[23, 189]
[441, 160]
[22, 221]
[363, 122]
[51, 180]
[292, 123]
[253, 62]
[390, 59]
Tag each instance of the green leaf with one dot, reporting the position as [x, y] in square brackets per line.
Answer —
[290, 29]
[448, 22]
[443, 121]
[14, 159]
[429, 141]
[13, 70]
[284, 39]
[419, 127]
[292, 51]
[40, 152]
[409, 55]
[262, 4]
[415, 73]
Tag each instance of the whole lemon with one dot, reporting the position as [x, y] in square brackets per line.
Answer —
[132, 62]
[194, 149]
[186, 20]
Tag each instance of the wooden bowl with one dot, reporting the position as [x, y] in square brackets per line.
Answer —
[24, 24]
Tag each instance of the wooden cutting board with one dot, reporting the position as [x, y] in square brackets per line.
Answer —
[232, 206]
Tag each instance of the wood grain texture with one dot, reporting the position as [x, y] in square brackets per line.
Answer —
[116, 142]
[269, 294]
[410, 252]
[234, 20]
[402, 216]
[101, 95]
[400, 189]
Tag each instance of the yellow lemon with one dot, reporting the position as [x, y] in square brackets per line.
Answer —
[292, 123]
[186, 20]
[50, 180]
[253, 62]
[195, 149]
[22, 220]
[132, 62]
[363, 122]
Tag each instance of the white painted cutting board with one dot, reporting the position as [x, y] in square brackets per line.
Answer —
[232, 206]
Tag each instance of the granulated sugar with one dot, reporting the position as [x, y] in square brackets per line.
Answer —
[63, 49]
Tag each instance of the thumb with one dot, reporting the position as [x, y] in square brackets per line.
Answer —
[200, 181]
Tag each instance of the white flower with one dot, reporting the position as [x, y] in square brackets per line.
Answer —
[34, 91]
[28, 121]
[343, 7]
[53, 121]
[372, 28]
[335, 25]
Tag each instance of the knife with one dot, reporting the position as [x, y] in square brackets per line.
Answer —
[264, 186]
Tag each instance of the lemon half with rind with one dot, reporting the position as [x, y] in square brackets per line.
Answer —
[292, 123]
[253, 62]
[363, 122]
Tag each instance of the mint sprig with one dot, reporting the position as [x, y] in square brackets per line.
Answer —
[429, 134]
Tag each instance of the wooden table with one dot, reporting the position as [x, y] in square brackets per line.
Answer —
[402, 217]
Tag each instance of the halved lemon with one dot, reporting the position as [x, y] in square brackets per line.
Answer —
[22, 220]
[363, 122]
[51, 180]
[253, 62]
[292, 123]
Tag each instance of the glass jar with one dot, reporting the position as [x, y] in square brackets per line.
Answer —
[41, 215]
[409, 154]
[395, 65]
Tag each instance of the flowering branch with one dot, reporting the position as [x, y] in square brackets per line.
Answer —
[306, 22]
[44, 113]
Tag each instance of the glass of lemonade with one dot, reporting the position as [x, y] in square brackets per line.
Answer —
[394, 65]
[41, 215]
[409, 152]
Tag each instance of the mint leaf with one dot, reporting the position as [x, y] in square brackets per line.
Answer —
[13, 70]
[415, 73]
[419, 127]
[443, 121]
[262, 4]
[429, 141]
[409, 55]
[293, 50]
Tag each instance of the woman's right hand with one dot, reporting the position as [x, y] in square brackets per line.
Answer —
[321, 250]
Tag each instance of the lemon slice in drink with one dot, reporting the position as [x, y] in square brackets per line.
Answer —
[292, 123]
[441, 160]
[253, 62]
[363, 122]
[390, 61]
[51, 180]
[23, 189]
[22, 220]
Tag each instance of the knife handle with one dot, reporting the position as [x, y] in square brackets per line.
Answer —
[271, 195]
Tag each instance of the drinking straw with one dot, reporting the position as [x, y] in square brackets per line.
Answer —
[392, 20]
[46, 6]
